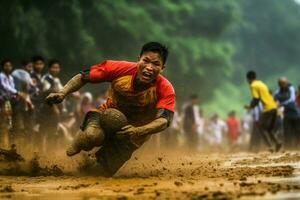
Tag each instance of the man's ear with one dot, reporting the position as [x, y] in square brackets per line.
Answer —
[139, 57]
[162, 69]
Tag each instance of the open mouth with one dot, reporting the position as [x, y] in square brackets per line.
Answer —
[147, 75]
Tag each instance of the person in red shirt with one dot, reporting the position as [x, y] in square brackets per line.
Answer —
[298, 97]
[233, 127]
[139, 91]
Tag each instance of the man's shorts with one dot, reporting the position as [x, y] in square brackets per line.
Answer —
[113, 154]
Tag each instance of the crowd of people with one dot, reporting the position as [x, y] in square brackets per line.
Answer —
[271, 121]
[27, 119]
[24, 115]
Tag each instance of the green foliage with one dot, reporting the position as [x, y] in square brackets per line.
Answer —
[212, 42]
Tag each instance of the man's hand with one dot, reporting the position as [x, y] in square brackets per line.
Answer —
[56, 98]
[129, 131]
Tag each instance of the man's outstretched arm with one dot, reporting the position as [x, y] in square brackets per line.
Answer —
[72, 86]
[153, 127]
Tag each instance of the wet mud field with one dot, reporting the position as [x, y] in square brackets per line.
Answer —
[158, 175]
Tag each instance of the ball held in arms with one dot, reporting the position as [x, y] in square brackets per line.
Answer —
[112, 120]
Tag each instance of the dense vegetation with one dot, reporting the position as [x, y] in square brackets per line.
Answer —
[212, 43]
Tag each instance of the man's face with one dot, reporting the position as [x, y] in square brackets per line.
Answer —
[150, 65]
[7, 67]
[39, 66]
[282, 83]
[54, 69]
[29, 67]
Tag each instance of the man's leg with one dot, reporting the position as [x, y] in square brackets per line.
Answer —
[255, 139]
[91, 135]
[268, 124]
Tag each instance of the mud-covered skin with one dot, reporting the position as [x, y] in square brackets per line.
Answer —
[97, 127]
[139, 133]
[92, 135]
[72, 86]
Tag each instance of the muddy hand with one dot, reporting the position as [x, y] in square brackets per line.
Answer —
[55, 97]
[126, 131]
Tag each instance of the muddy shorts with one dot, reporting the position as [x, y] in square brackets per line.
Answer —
[113, 154]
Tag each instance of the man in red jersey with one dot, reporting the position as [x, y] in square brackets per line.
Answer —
[139, 91]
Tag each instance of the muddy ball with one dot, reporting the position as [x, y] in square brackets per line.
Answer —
[112, 120]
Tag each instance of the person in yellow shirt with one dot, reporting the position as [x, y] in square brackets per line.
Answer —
[261, 93]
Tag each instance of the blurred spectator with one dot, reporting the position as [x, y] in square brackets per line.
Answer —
[255, 138]
[286, 98]
[86, 104]
[233, 128]
[298, 97]
[24, 120]
[190, 117]
[38, 67]
[6, 79]
[50, 114]
[8, 94]
[216, 128]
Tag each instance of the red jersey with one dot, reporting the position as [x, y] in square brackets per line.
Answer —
[233, 129]
[139, 106]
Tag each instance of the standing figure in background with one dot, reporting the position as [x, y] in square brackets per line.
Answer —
[25, 108]
[233, 128]
[260, 93]
[286, 98]
[8, 94]
[36, 76]
[216, 128]
[255, 138]
[38, 68]
[51, 112]
[190, 117]
[298, 97]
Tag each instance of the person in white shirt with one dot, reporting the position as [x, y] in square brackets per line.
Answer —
[7, 85]
[217, 127]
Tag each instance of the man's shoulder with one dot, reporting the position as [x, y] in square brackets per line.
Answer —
[258, 84]
[164, 83]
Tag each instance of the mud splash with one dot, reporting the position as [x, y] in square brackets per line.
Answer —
[29, 168]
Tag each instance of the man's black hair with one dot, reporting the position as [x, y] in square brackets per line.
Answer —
[251, 75]
[37, 58]
[25, 62]
[52, 62]
[157, 48]
[5, 60]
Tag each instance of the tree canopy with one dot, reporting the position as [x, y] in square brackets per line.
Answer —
[212, 43]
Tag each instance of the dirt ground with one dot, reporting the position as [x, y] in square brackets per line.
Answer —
[158, 175]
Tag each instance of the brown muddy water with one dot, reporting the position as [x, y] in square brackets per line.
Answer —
[160, 175]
